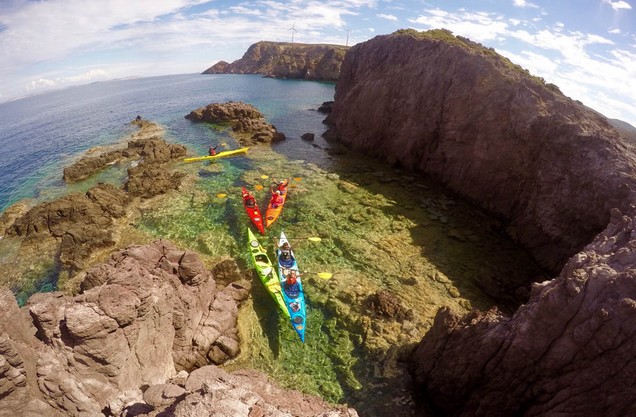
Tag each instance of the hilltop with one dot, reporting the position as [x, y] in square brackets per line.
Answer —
[319, 62]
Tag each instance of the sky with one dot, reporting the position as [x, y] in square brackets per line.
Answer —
[586, 47]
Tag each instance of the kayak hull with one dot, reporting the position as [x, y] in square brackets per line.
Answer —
[265, 271]
[295, 303]
[222, 154]
[272, 212]
[254, 213]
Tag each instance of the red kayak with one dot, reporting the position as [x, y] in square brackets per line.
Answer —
[249, 202]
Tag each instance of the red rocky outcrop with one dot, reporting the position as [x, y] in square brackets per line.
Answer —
[245, 120]
[568, 351]
[142, 317]
[461, 113]
[287, 60]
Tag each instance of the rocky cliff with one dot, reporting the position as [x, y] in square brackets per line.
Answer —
[287, 60]
[568, 351]
[142, 338]
[463, 114]
[561, 176]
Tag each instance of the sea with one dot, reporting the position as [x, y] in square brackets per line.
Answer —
[41, 134]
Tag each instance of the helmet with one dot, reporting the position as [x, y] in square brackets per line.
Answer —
[278, 192]
[245, 194]
[281, 182]
[291, 279]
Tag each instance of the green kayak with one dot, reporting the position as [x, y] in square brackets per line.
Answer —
[266, 271]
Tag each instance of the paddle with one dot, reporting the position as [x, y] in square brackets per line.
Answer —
[221, 195]
[309, 238]
[323, 275]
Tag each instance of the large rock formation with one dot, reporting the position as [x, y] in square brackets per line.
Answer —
[80, 222]
[247, 123]
[568, 351]
[461, 113]
[146, 146]
[287, 60]
[132, 343]
[142, 317]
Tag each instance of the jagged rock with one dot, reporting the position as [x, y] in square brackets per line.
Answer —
[81, 222]
[148, 313]
[326, 107]
[245, 120]
[307, 136]
[569, 349]
[211, 391]
[463, 114]
[387, 305]
[287, 60]
[146, 144]
[147, 181]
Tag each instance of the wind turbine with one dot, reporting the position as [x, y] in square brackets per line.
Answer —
[293, 29]
[348, 30]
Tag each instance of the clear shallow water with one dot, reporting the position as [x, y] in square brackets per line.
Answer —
[40, 135]
[380, 229]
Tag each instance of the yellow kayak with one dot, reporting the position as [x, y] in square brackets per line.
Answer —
[222, 154]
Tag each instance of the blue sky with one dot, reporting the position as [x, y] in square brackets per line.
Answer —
[586, 47]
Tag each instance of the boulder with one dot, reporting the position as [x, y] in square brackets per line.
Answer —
[245, 120]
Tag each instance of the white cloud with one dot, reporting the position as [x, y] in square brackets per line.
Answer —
[523, 3]
[387, 17]
[618, 5]
[39, 84]
[615, 31]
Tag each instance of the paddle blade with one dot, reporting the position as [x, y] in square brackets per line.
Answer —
[264, 177]
[221, 195]
[324, 275]
[258, 187]
[297, 179]
[314, 239]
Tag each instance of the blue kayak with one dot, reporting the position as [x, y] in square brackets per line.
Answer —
[292, 286]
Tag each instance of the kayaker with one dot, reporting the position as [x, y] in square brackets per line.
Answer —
[279, 186]
[249, 200]
[277, 199]
[286, 259]
[212, 150]
[292, 287]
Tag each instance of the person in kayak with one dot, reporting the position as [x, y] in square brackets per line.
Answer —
[292, 287]
[286, 259]
[279, 186]
[212, 150]
[249, 200]
[277, 199]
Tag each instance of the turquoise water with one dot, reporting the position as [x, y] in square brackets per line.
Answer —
[40, 135]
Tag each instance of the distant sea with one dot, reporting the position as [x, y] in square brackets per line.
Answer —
[42, 134]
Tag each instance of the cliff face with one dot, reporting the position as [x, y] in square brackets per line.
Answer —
[465, 115]
[287, 60]
[567, 351]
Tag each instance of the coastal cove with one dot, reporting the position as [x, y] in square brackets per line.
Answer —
[383, 231]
